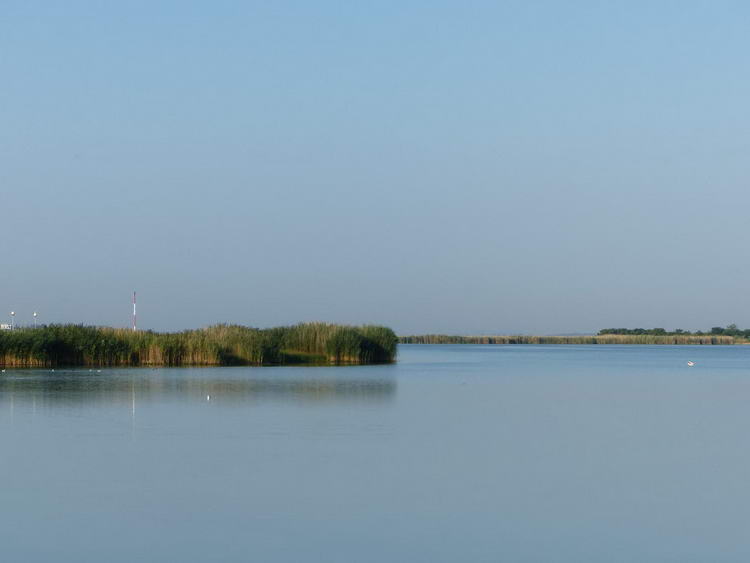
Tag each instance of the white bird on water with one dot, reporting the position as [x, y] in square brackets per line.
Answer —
[691, 364]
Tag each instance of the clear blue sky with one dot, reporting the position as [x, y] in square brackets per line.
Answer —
[457, 167]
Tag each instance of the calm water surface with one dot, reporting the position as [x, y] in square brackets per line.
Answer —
[457, 453]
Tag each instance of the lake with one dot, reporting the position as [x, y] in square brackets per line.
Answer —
[455, 453]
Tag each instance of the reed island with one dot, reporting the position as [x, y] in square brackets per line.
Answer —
[220, 345]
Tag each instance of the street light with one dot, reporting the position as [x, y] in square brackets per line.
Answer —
[12, 317]
[35, 314]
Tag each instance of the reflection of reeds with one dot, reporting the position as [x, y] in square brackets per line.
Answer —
[308, 343]
[72, 387]
[599, 339]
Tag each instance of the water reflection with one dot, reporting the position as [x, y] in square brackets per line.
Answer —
[224, 385]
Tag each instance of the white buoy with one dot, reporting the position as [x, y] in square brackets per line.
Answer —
[208, 397]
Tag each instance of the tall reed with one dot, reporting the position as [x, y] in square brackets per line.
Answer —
[78, 345]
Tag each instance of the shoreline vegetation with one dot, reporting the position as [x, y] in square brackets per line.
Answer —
[716, 336]
[220, 345]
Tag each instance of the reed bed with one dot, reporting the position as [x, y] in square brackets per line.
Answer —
[594, 339]
[219, 345]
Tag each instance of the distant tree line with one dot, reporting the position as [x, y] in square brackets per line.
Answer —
[608, 338]
[731, 330]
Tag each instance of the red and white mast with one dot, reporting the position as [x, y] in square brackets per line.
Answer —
[134, 317]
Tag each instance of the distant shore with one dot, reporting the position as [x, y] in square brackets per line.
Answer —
[677, 339]
[219, 345]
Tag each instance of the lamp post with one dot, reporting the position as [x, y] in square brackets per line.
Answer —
[12, 319]
[35, 315]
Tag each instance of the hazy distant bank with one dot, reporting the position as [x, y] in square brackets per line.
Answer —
[220, 345]
[676, 339]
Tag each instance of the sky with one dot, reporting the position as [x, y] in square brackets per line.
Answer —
[444, 167]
